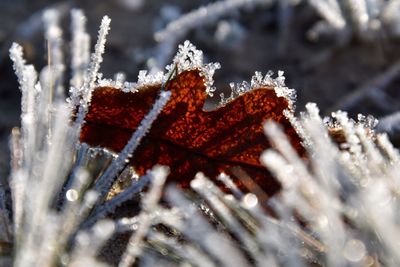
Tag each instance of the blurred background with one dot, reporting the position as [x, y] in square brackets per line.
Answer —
[338, 55]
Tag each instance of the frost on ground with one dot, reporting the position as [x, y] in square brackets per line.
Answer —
[339, 206]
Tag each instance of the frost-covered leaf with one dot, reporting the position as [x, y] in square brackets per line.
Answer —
[184, 136]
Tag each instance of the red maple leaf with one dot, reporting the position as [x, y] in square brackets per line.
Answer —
[184, 136]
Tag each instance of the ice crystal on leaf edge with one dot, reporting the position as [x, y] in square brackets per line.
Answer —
[188, 58]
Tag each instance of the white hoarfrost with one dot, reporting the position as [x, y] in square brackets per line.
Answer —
[190, 58]
[339, 204]
[84, 94]
[266, 82]
[187, 58]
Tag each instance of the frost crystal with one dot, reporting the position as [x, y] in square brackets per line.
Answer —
[260, 81]
[189, 57]
[90, 79]
[150, 79]
[368, 122]
[144, 80]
